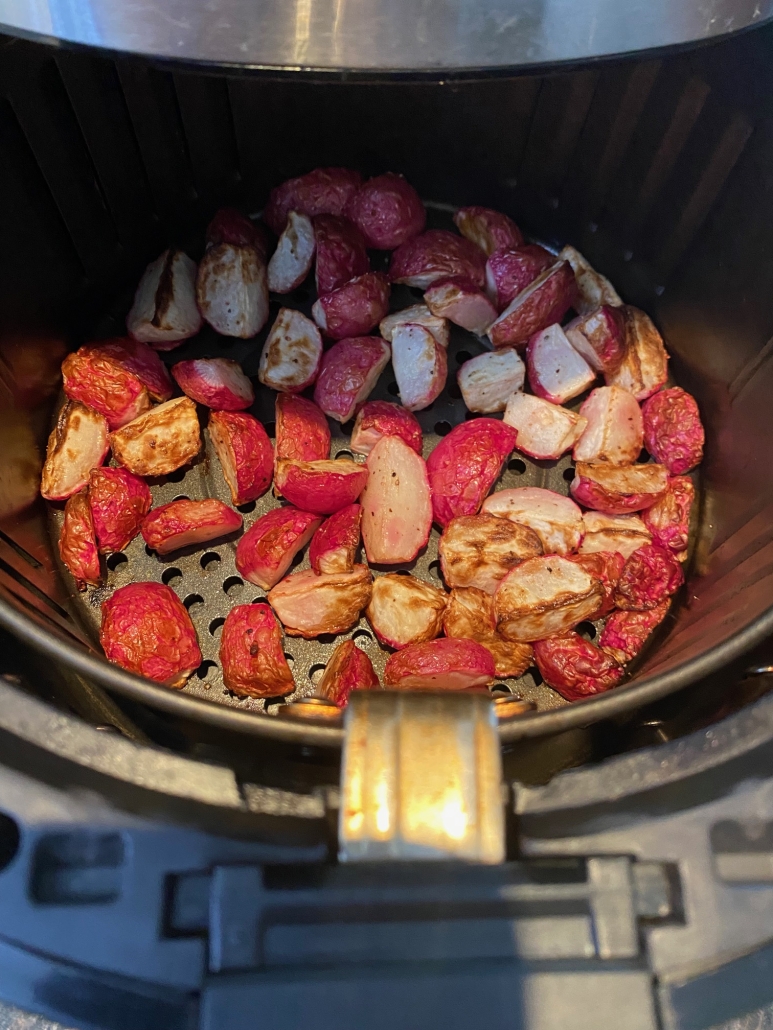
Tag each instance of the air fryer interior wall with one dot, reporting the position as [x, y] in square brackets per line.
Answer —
[658, 171]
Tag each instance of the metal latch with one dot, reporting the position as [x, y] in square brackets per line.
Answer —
[421, 778]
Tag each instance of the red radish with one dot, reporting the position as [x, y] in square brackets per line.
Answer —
[556, 371]
[320, 486]
[462, 302]
[673, 431]
[146, 630]
[592, 288]
[302, 432]
[218, 383]
[615, 431]
[645, 366]
[556, 520]
[309, 605]
[165, 311]
[618, 489]
[232, 290]
[434, 255]
[440, 665]
[141, 360]
[350, 370]
[404, 610]
[78, 443]
[420, 365]
[650, 576]
[620, 533]
[321, 191]
[119, 501]
[396, 504]
[487, 229]
[479, 550]
[669, 518]
[544, 597]
[78, 543]
[626, 633]
[341, 253]
[416, 314]
[266, 551]
[160, 441]
[231, 226]
[251, 653]
[606, 567]
[187, 523]
[382, 418]
[509, 271]
[575, 667]
[465, 464]
[544, 301]
[354, 308]
[244, 450]
[348, 669]
[292, 260]
[335, 543]
[387, 210]
[600, 338]
[291, 354]
[103, 384]
[544, 430]
[489, 380]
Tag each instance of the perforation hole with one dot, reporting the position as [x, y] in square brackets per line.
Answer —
[209, 561]
[297, 560]
[517, 466]
[149, 551]
[176, 477]
[345, 454]
[246, 509]
[289, 659]
[216, 626]
[315, 673]
[394, 389]
[115, 561]
[270, 428]
[569, 474]
[443, 428]
[233, 586]
[205, 669]
[326, 638]
[587, 630]
[193, 601]
[181, 497]
[434, 569]
[170, 576]
[362, 638]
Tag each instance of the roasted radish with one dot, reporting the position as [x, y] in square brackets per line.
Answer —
[291, 354]
[354, 308]
[615, 432]
[403, 610]
[510, 271]
[244, 450]
[78, 543]
[626, 633]
[543, 597]
[320, 486]
[309, 605]
[592, 288]
[266, 551]
[341, 253]
[165, 312]
[334, 545]
[556, 371]
[487, 229]
[396, 503]
[464, 466]
[105, 385]
[644, 368]
[160, 441]
[462, 302]
[668, 520]
[440, 665]
[147, 631]
[555, 519]
[388, 211]
[489, 380]
[651, 575]
[142, 361]
[294, 255]
[544, 430]
[350, 370]
[574, 667]
[673, 431]
[470, 615]
[302, 432]
[348, 669]
[618, 489]
[480, 550]
[119, 501]
[417, 314]
[600, 338]
[231, 226]
[382, 418]
[323, 191]
[78, 443]
[420, 365]
[217, 383]
[251, 653]
[621, 533]
[434, 255]
[232, 290]
[187, 523]
[606, 567]
[544, 301]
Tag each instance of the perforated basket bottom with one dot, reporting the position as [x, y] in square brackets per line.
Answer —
[206, 579]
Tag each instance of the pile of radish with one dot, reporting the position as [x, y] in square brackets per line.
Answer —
[522, 567]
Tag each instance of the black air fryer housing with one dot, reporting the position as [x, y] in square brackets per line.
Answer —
[111, 913]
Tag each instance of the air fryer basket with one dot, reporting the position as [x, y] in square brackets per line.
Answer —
[657, 171]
